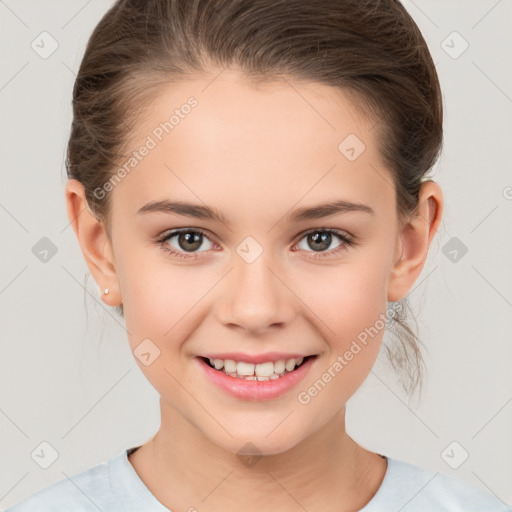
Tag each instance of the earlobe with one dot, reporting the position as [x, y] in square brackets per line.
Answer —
[414, 241]
[94, 242]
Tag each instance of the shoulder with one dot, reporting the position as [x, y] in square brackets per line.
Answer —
[88, 491]
[423, 490]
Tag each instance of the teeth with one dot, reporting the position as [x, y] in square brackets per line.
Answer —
[279, 366]
[229, 365]
[244, 368]
[262, 371]
[290, 364]
[265, 369]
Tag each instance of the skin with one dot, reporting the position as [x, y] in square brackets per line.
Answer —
[255, 153]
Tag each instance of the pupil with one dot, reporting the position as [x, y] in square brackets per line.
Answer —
[322, 241]
[190, 238]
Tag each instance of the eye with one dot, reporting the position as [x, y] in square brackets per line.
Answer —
[188, 240]
[320, 239]
[186, 243]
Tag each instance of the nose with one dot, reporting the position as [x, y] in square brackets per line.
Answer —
[255, 297]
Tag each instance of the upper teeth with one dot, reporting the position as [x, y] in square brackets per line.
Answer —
[266, 369]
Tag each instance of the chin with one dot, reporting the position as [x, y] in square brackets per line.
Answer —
[257, 444]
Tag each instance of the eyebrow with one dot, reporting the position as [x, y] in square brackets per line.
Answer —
[326, 209]
[300, 214]
[183, 208]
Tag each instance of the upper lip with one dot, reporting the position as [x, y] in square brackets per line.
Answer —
[256, 358]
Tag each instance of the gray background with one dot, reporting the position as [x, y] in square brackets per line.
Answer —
[67, 375]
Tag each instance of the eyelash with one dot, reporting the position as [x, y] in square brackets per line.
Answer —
[347, 242]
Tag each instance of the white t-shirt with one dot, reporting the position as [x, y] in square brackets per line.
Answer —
[114, 486]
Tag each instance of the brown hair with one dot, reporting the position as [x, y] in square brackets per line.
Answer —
[372, 49]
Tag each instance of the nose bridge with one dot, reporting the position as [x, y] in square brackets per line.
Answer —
[254, 297]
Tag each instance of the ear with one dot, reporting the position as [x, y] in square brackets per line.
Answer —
[94, 242]
[414, 241]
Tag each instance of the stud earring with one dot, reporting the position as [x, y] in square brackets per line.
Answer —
[106, 291]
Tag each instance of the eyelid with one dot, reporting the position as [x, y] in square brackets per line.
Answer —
[171, 233]
[347, 240]
[336, 231]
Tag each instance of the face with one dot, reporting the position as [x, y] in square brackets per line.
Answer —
[261, 280]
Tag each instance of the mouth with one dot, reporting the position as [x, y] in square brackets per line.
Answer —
[266, 378]
[270, 370]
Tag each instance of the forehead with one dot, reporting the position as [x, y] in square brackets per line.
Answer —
[246, 145]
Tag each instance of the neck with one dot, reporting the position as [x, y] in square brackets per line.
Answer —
[326, 471]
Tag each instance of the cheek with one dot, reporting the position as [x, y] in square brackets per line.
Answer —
[345, 299]
[158, 304]
[161, 301]
[348, 307]
[147, 294]
[350, 312]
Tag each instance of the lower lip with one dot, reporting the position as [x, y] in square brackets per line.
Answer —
[255, 390]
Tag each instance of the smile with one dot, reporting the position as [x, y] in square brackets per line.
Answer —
[269, 370]
[263, 380]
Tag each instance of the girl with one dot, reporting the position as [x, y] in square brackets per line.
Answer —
[248, 184]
